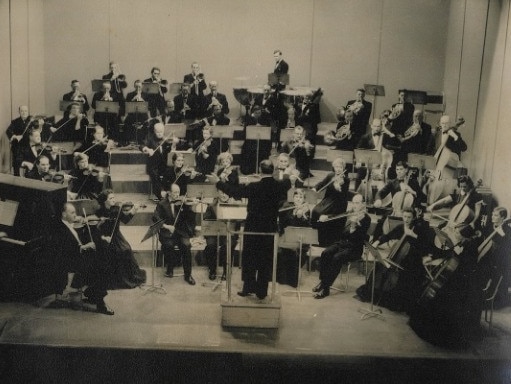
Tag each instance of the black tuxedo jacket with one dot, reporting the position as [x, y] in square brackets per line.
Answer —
[222, 100]
[185, 222]
[190, 79]
[192, 102]
[361, 119]
[282, 68]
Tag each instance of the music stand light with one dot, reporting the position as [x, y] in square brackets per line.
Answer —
[152, 232]
[300, 235]
[214, 228]
[258, 133]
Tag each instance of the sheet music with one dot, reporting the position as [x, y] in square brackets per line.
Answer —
[8, 211]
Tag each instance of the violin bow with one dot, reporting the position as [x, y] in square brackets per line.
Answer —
[87, 224]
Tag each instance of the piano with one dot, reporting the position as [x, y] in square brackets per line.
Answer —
[29, 211]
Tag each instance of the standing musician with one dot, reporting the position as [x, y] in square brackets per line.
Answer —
[178, 227]
[16, 132]
[135, 124]
[342, 138]
[75, 255]
[307, 115]
[105, 119]
[348, 248]
[197, 84]
[216, 98]
[157, 148]
[401, 115]
[226, 171]
[72, 127]
[361, 109]
[294, 214]
[372, 140]
[86, 182]
[448, 312]
[206, 153]
[281, 67]
[262, 213]
[398, 289]
[77, 95]
[188, 106]
[179, 174]
[117, 82]
[404, 190]
[29, 151]
[301, 149]
[416, 138]
[335, 202]
[157, 101]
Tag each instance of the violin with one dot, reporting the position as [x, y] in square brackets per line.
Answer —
[56, 177]
[203, 147]
[127, 206]
[83, 221]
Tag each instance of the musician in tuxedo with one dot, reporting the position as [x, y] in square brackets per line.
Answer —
[171, 115]
[108, 120]
[307, 116]
[41, 169]
[206, 153]
[72, 127]
[361, 109]
[268, 106]
[196, 81]
[216, 98]
[284, 170]
[77, 95]
[16, 132]
[72, 255]
[448, 138]
[401, 115]
[84, 183]
[188, 106]
[135, 127]
[30, 150]
[98, 149]
[281, 67]
[417, 136]
[372, 139]
[217, 116]
[448, 312]
[342, 138]
[179, 174]
[157, 101]
[117, 81]
[177, 229]
[301, 149]
[348, 248]
[262, 212]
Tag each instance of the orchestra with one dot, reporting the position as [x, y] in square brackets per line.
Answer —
[473, 253]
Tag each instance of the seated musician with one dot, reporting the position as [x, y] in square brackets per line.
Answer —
[108, 120]
[178, 227]
[30, 150]
[78, 256]
[41, 169]
[342, 138]
[206, 153]
[117, 81]
[157, 101]
[268, 106]
[72, 127]
[301, 149]
[179, 174]
[98, 149]
[398, 289]
[448, 312]
[77, 95]
[171, 115]
[216, 98]
[466, 196]
[284, 171]
[348, 248]
[404, 191]
[307, 115]
[361, 109]
[134, 122]
[292, 214]
[217, 116]
[416, 138]
[157, 150]
[372, 140]
[86, 182]
[226, 172]
[335, 202]
[188, 106]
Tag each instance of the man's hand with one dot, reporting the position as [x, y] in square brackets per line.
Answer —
[377, 203]
[323, 218]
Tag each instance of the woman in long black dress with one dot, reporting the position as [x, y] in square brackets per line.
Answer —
[124, 270]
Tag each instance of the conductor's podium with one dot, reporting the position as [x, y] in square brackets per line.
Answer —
[247, 311]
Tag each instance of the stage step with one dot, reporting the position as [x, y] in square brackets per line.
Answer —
[127, 156]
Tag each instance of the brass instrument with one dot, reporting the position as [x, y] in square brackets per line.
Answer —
[356, 107]
[412, 131]
[396, 111]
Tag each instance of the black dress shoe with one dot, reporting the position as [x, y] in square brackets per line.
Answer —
[102, 308]
[212, 276]
[318, 287]
[261, 296]
[322, 294]
[244, 293]
[190, 280]
[169, 274]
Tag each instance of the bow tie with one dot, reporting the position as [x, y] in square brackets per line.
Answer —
[377, 134]
[445, 133]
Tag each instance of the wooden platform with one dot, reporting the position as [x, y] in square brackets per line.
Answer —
[250, 312]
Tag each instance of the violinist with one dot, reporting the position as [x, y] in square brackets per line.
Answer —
[77, 95]
[226, 172]
[85, 182]
[31, 150]
[467, 204]
[41, 169]
[206, 153]
[157, 101]
[105, 119]
[136, 121]
[398, 289]
[216, 98]
[178, 227]
[125, 272]
[285, 171]
[335, 202]
[16, 132]
[117, 82]
[401, 115]
[295, 214]
[416, 137]
[301, 149]
[98, 149]
[361, 109]
[178, 173]
[347, 248]
[448, 312]
[72, 127]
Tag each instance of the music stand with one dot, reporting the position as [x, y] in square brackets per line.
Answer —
[136, 107]
[64, 104]
[374, 90]
[151, 88]
[300, 235]
[152, 232]
[188, 157]
[202, 191]
[214, 228]
[97, 84]
[258, 133]
[274, 78]
[369, 157]
[109, 107]
[176, 130]
[223, 132]
[332, 154]
[368, 313]
[421, 162]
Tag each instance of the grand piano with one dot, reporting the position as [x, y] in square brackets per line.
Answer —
[29, 210]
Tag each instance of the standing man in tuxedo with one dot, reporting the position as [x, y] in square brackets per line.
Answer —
[117, 81]
[157, 101]
[77, 95]
[16, 132]
[361, 113]
[281, 67]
